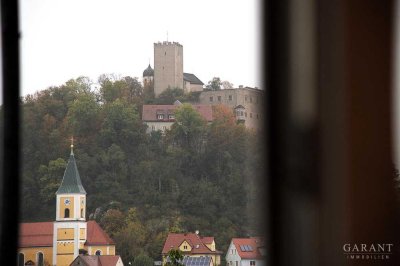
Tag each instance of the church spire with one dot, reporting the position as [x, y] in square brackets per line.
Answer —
[71, 182]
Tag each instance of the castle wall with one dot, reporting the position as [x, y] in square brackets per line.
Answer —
[250, 99]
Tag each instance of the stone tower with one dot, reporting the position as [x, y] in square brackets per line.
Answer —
[70, 227]
[168, 66]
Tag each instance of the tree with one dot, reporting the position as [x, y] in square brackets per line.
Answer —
[188, 127]
[175, 258]
[214, 84]
[170, 95]
[143, 260]
[226, 85]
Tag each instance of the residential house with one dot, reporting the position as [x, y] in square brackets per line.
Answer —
[192, 245]
[161, 117]
[246, 252]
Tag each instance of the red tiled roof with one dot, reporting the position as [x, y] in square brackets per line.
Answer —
[36, 234]
[173, 241]
[41, 235]
[254, 242]
[150, 112]
[96, 235]
[207, 239]
[108, 260]
[103, 260]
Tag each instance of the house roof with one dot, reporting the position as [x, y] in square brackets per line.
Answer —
[93, 260]
[256, 243]
[71, 182]
[41, 235]
[96, 235]
[150, 112]
[207, 239]
[173, 241]
[36, 234]
[192, 79]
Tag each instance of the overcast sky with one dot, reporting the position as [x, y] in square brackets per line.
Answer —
[64, 39]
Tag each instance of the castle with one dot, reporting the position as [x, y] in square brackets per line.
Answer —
[168, 70]
[61, 241]
[246, 103]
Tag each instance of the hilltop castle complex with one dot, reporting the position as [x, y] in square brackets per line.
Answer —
[246, 103]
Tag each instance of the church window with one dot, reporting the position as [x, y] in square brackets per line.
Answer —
[66, 213]
[21, 259]
[40, 259]
[82, 213]
[98, 252]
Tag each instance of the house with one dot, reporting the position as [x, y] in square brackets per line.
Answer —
[93, 260]
[192, 245]
[161, 117]
[246, 252]
[60, 242]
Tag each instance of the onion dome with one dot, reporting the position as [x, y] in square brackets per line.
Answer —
[148, 72]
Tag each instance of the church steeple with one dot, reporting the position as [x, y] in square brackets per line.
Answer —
[70, 227]
[71, 182]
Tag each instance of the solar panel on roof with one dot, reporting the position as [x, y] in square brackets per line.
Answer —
[196, 261]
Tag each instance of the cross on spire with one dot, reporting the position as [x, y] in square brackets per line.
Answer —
[72, 145]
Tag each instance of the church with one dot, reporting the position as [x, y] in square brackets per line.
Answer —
[60, 242]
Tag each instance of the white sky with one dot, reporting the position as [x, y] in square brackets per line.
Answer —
[64, 39]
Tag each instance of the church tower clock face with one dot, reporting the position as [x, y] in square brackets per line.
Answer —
[67, 201]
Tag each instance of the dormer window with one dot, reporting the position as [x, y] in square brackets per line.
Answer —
[160, 116]
[170, 117]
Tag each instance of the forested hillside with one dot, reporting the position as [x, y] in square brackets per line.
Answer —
[139, 186]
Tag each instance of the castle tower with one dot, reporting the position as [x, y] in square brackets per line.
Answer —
[148, 77]
[168, 66]
[70, 227]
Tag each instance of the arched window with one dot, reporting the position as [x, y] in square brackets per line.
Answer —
[82, 213]
[66, 213]
[21, 259]
[40, 259]
[98, 252]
